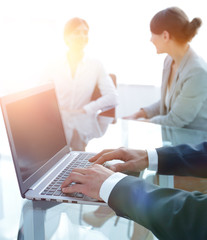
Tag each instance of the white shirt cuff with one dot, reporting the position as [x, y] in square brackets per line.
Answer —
[153, 159]
[109, 184]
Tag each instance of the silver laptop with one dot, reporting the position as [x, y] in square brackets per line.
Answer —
[38, 145]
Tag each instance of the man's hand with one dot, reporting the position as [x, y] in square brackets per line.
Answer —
[134, 160]
[88, 180]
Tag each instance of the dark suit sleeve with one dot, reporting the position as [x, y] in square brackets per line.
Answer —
[183, 160]
[168, 213]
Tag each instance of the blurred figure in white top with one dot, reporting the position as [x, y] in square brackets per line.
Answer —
[76, 76]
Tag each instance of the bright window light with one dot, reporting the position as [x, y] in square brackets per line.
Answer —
[32, 36]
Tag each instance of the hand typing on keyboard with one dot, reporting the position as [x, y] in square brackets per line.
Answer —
[88, 180]
[109, 164]
[75, 194]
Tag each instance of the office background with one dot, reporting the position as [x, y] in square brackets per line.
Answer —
[32, 36]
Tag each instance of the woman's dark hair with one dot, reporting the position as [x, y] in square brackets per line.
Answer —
[176, 22]
[72, 24]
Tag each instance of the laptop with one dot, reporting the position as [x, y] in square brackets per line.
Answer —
[40, 153]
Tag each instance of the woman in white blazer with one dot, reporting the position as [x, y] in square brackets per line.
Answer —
[183, 100]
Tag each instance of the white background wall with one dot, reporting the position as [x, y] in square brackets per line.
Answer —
[132, 97]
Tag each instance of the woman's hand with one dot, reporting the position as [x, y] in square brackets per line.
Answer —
[140, 114]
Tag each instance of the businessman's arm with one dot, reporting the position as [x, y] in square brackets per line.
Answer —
[168, 213]
[183, 160]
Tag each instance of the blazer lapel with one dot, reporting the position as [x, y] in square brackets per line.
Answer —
[176, 78]
[166, 74]
[172, 89]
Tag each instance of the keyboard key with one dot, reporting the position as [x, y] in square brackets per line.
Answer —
[54, 188]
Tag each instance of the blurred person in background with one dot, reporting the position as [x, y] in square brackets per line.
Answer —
[75, 76]
[183, 100]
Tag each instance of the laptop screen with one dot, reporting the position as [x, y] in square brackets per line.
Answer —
[36, 130]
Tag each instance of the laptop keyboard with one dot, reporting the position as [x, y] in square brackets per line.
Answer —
[54, 188]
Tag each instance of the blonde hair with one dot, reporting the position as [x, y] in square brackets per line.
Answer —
[72, 24]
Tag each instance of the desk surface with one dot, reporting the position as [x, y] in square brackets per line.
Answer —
[65, 221]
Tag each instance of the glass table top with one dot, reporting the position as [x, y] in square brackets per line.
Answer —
[25, 219]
